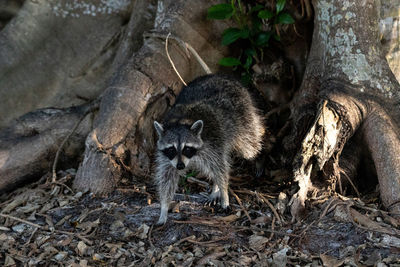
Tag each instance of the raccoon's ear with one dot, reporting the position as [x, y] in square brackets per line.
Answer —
[197, 127]
[159, 129]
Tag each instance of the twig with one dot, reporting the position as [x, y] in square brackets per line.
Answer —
[272, 228]
[277, 110]
[184, 240]
[54, 177]
[62, 184]
[170, 60]
[240, 204]
[249, 192]
[40, 227]
[270, 206]
[253, 228]
[149, 236]
[203, 222]
[351, 183]
[185, 46]
[325, 211]
[30, 238]
[374, 228]
[76, 235]
[207, 258]
[207, 242]
[199, 182]
[20, 220]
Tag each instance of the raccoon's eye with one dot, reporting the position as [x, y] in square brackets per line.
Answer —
[170, 152]
[189, 151]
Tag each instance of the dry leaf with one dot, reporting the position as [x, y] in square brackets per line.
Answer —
[175, 207]
[330, 261]
[280, 257]
[257, 242]
[373, 258]
[262, 220]
[229, 218]
[142, 231]
[391, 241]
[341, 215]
[82, 248]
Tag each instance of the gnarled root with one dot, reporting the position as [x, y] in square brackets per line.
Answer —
[323, 140]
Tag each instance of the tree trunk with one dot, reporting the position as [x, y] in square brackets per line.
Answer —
[122, 143]
[348, 95]
[58, 54]
[29, 145]
[348, 76]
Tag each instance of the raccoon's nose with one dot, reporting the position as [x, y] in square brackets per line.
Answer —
[180, 166]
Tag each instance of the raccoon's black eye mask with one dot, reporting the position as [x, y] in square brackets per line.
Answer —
[170, 152]
[189, 151]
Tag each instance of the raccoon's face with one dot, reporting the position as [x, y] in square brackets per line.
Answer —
[179, 144]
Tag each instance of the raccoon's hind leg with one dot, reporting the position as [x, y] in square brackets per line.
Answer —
[167, 182]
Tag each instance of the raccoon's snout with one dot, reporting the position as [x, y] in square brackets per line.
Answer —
[180, 165]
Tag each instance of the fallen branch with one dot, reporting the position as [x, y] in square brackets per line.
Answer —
[20, 220]
[270, 206]
[185, 46]
[240, 204]
[93, 107]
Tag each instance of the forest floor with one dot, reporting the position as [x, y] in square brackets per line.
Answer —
[47, 224]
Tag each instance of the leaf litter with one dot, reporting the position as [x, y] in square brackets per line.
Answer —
[47, 224]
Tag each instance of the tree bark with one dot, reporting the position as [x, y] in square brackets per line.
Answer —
[121, 143]
[28, 146]
[348, 75]
[58, 54]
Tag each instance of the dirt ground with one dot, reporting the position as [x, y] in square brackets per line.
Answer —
[48, 224]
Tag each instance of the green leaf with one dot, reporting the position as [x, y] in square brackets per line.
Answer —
[229, 62]
[263, 38]
[190, 174]
[245, 78]
[285, 18]
[280, 5]
[249, 61]
[230, 35]
[277, 37]
[250, 52]
[221, 11]
[265, 14]
[255, 8]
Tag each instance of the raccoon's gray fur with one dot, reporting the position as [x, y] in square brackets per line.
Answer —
[213, 116]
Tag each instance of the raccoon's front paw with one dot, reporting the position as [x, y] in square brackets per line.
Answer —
[213, 199]
[210, 200]
[163, 215]
[226, 211]
[161, 221]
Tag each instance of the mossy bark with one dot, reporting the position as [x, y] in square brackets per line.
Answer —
[348, 72]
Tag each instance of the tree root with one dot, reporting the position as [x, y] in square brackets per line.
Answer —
[30, 142]
[318, 146]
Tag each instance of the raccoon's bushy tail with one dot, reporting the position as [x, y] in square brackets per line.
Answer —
[249, 142]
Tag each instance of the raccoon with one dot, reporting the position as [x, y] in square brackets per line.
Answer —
[212, 117]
